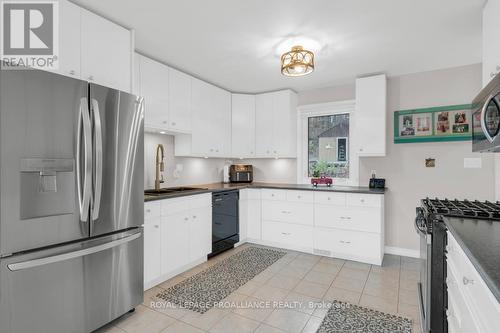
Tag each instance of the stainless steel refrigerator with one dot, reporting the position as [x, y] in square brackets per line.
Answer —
[71, 203]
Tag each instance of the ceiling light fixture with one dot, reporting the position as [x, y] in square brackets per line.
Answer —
[297, 62]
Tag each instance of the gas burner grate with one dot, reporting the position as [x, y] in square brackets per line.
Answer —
[463, 208]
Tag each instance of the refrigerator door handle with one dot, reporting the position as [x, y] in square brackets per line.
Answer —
[71, 255]
[98, 159]
[84, 193]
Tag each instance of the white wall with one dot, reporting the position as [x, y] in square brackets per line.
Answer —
[407, 178]
[195, 170]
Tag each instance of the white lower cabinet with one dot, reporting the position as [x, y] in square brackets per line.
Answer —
[342, 225]
[472, 307]
[290, 235]
[250, 215]
[177, 236]
[152, 244]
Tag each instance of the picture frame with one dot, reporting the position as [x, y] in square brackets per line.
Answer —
[442, 123]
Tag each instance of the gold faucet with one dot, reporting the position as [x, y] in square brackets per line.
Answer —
[160, 166]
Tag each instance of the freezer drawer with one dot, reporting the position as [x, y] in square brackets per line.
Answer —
[72, 288]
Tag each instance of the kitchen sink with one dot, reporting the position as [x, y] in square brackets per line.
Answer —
[170, 190]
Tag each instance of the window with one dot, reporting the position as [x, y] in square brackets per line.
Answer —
[324, 143]
[328, 143]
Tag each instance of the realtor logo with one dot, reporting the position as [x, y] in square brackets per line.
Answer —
[29, 36]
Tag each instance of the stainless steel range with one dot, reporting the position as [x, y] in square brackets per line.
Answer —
[71, 203]
[429, 224]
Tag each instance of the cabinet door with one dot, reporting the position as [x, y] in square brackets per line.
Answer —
[175, 242]
[180, 101]
[106, 56]
[243, 125]
[369, 127]
[221, 122]
[264, 125]
[202, 111]
[69, 39]
[200, 233]
[154, 89]
[491, 47]
[254, 225]
[284, 117]
[152, 249]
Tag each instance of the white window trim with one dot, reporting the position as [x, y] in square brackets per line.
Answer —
[324, 109]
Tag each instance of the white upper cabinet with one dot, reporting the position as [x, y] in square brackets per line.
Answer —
[243, 125]
[491, 46]
[264, 125]
[211, 123]
[154, 83]
[221, 122]
[106, 52]
[369, 126]
[94, 49]
[276, 124]
[69, 39]
[179, 101]
[167, 94]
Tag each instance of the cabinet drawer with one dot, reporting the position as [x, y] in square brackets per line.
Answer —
[174, 206]
[151, 209]
[330, 198]
[482, 303]
[367, 219]
[351, 243]
[291, 212]
[250, 194]
[292, 234]
[273, 194]
[199, 201]
[300, 196]
[364, 200]
[458, 312]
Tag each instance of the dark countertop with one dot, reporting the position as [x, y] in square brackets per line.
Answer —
[216, 187]
[480, 240]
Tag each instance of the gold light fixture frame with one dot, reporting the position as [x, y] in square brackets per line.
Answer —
[297, 57]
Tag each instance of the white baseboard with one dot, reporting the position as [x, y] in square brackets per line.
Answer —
[399, 251]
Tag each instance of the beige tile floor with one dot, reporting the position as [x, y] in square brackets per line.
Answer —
[297, 277]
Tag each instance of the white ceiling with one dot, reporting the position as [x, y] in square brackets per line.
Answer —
[233, 43]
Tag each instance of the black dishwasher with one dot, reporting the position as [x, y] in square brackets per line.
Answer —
[225, 221]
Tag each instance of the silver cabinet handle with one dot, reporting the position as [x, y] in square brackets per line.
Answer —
[194, 216]
[186, 218]
[148, 210]
[72, 72]
[98, 160]
[345, 217]
[467, 281]
[157, 226]
[286, 233]
[71, 255]
[84, 191]
[345, 242]
[173, 123]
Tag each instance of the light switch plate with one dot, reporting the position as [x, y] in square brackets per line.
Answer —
[473, 163]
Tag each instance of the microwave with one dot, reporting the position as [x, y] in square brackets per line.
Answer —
[486, 118]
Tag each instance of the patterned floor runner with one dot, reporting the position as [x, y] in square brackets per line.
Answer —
[344, 317]
[205, 289]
